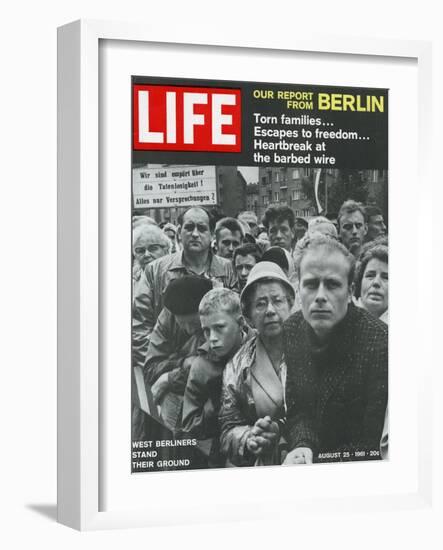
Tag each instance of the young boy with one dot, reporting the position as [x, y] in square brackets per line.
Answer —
[225, 330]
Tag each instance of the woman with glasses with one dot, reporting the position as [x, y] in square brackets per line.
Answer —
[148, 243]
[253, 402]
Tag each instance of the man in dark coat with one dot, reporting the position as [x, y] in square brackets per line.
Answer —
[337, 358]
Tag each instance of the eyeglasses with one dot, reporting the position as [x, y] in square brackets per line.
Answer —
[152, 249]
[277, 301]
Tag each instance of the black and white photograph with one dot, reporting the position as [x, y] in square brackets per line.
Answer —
[260, 292]
[199, 201]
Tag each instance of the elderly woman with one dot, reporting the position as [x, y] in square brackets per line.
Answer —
[148, 243]
[372, 280]
[253, 403]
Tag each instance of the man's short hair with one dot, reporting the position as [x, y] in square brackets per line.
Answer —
[379, 251]
[220, 299]
[318, 240]
[248, 249]
[148, 229]
[350, 206]
[278, 214]
[210, 217]
[372, 210]
[229, 223]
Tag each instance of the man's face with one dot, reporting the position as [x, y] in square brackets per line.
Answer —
[376, 227]
[189, 323]
[281, 234]
[352, 231]
[227, 242]
[222, 332]
[324, 289]
[148, 248]
[251, 220]
[195, 233]
[269, 309]
[243, 266]
[299, 230]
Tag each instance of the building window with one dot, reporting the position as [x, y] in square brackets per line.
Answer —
[276, 196]
[295, 174]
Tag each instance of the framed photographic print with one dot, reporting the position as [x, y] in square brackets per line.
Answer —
[226, 214]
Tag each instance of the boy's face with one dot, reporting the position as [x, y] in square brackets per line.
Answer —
[222, 332]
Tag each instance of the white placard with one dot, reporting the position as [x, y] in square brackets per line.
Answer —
[166, 187]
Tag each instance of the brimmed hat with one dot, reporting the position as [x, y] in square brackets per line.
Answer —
[266, 271]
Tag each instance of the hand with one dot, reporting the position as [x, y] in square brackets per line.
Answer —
[263, 436]
[300, 455]
[267, 429]
[252, 445]
[160, 387]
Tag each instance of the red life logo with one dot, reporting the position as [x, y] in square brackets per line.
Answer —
[184, 118]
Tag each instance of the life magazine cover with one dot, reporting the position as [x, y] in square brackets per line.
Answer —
[259, 274]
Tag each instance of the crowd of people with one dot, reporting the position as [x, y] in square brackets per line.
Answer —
[264, 341]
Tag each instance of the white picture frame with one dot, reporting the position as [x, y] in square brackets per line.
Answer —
[79, 271]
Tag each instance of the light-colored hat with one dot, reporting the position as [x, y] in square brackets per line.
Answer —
[266, 271]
